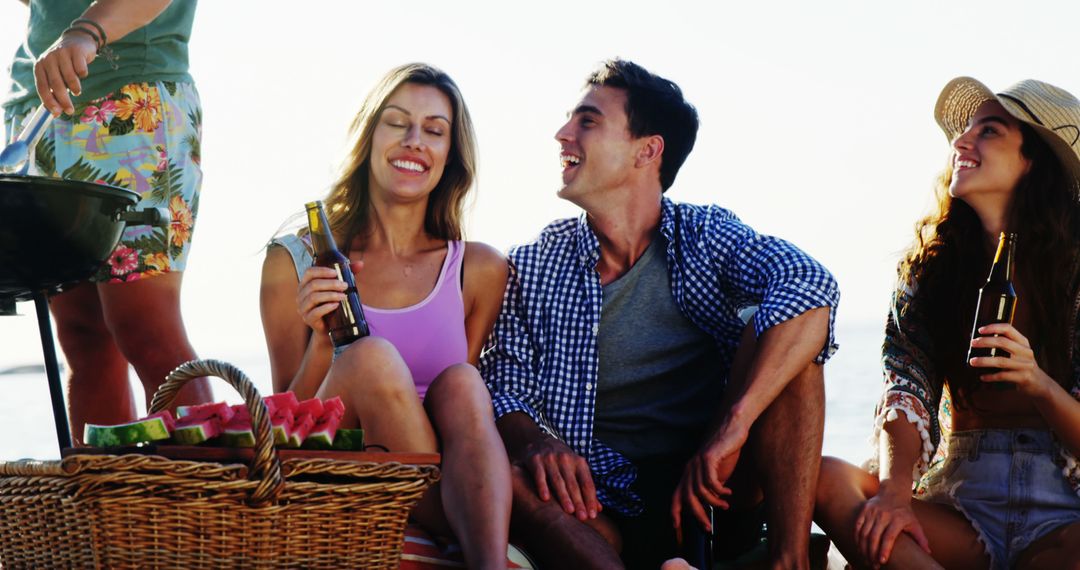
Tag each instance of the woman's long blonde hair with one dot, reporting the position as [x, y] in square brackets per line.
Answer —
[348, 204]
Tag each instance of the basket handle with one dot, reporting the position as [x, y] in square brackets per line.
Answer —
[265, 465]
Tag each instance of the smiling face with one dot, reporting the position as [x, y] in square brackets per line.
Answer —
[597, 150]
[987, 162]
[410, 143]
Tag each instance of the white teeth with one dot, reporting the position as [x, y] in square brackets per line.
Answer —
[568, 159]
[408, 165]
[966, 164]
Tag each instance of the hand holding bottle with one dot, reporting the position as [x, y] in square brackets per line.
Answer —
[320, 293]
[1017, 367]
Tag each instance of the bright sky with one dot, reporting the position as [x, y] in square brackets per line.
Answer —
[816, 117]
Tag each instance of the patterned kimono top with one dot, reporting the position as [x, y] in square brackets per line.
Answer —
[914, 389]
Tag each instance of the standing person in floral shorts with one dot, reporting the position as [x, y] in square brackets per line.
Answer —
[114, 73]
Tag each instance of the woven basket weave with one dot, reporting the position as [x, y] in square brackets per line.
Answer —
[145, 511]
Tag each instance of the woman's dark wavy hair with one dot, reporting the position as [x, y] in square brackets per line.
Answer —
[948, 263]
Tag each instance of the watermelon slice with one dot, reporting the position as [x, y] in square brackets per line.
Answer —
[313, 406]
[140, 431]
[191, 431]
[281, 423]
[349, 440]
[219, 410]
[284, 400]
[334, 406]
[165, 416]
[238, 433]
[300, 430]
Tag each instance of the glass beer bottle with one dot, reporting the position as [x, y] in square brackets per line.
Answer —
[346, 323]
[997, 299]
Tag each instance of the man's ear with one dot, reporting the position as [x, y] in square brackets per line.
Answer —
[651, 149]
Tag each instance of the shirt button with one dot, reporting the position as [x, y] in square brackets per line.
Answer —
[582, 443]
[588, 386]
[595, 329]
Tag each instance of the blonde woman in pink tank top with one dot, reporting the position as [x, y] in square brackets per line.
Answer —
[430, 299]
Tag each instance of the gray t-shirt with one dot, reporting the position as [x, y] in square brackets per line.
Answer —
[658, 384]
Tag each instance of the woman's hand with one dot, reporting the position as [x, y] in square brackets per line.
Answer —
[1019, 368]
[61, 67]
[881, 521]
[319, 293]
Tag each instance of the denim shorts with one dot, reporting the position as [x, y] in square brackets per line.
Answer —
[1006, 483]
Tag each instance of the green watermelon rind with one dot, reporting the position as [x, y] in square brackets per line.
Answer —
[141, 431]
[349, 440]
[192, 435]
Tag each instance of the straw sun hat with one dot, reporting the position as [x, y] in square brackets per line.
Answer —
[1053, 112]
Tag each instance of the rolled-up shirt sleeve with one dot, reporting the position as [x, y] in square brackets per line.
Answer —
[782, 280]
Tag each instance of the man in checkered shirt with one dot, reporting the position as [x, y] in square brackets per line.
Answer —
[654, 359]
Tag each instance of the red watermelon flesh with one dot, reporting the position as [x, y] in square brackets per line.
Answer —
[284, 400]
[334, 406]
[312, 407]
[322, 433]
[300, 430]
[281, 423]
[199, 412]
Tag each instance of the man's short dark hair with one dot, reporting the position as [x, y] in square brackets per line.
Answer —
[654, 106]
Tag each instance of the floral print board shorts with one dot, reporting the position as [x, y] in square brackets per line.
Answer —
[145, 138]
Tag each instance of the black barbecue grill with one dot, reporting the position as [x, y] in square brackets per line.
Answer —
[54, 234]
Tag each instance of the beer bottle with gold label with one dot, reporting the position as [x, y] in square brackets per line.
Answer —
[346, 323]
[997, 299]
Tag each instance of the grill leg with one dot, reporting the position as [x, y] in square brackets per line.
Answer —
[52, 370]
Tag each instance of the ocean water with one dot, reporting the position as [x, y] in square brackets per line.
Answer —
[852, 387]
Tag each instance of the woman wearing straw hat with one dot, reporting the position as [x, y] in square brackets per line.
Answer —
[987, 447]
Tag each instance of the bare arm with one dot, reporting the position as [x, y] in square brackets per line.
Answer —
[60, 68]
[782, 352]
[299, 358]
[485, 273]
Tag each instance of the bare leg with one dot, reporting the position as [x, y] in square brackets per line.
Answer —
[785, 444]
[842, 490]
[379, 393]
[787, 453]
[97, 373]
[1060, 548]
[556, 539]
[145, 321]
[475, 489]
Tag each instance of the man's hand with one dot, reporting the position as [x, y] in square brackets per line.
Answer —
[60, 68]
[707, 472]
[555, 467]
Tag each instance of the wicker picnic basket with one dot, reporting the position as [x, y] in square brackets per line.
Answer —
[146, 511]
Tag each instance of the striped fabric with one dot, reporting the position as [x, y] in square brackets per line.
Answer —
[542, 357]
[421, 552]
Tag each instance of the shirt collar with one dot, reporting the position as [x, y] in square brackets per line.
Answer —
[588, 245]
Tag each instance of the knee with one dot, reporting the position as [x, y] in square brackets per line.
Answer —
[84, 332]
[373, 366]
[460, 386]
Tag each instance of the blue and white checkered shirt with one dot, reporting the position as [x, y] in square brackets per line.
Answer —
[542, 358]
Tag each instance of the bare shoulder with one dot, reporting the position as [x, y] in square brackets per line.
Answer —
[278, 267]
[484, 262]
[485, 268]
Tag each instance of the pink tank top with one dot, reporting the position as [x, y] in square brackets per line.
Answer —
[430, 335]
